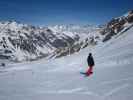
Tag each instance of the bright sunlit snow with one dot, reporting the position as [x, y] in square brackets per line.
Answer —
[60, 79]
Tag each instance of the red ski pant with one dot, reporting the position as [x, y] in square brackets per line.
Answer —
[90, 70]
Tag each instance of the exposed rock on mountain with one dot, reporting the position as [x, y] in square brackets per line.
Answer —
[117, 25]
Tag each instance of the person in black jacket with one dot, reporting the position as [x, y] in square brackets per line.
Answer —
[91, 63]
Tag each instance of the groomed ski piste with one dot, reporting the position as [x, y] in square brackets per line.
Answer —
[60, 79]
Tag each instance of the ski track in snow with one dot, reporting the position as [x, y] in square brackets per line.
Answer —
[66, 91]
[116, 81]
[115, 90]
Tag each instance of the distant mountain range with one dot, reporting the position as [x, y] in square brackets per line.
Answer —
[22, 42]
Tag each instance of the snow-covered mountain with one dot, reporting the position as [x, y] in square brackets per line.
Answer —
[87, 35]
[83, 31]
[117, 26]
[20, 42]
[60, 79]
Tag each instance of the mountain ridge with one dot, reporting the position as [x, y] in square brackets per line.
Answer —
[35, 42]
[23, 42]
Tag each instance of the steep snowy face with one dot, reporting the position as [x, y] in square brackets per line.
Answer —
[118, 25]
[87, 35]
[71, 30]
[20, 42]
[84, 33]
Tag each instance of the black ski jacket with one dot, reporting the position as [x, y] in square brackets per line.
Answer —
[90, 61]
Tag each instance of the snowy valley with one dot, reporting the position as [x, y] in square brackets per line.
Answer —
[60, 78]
[22, 42]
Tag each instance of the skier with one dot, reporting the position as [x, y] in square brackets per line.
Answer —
[91, 63]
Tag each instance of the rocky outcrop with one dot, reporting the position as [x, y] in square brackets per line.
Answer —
[117, 25]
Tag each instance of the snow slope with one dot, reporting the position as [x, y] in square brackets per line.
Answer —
[60, 79]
